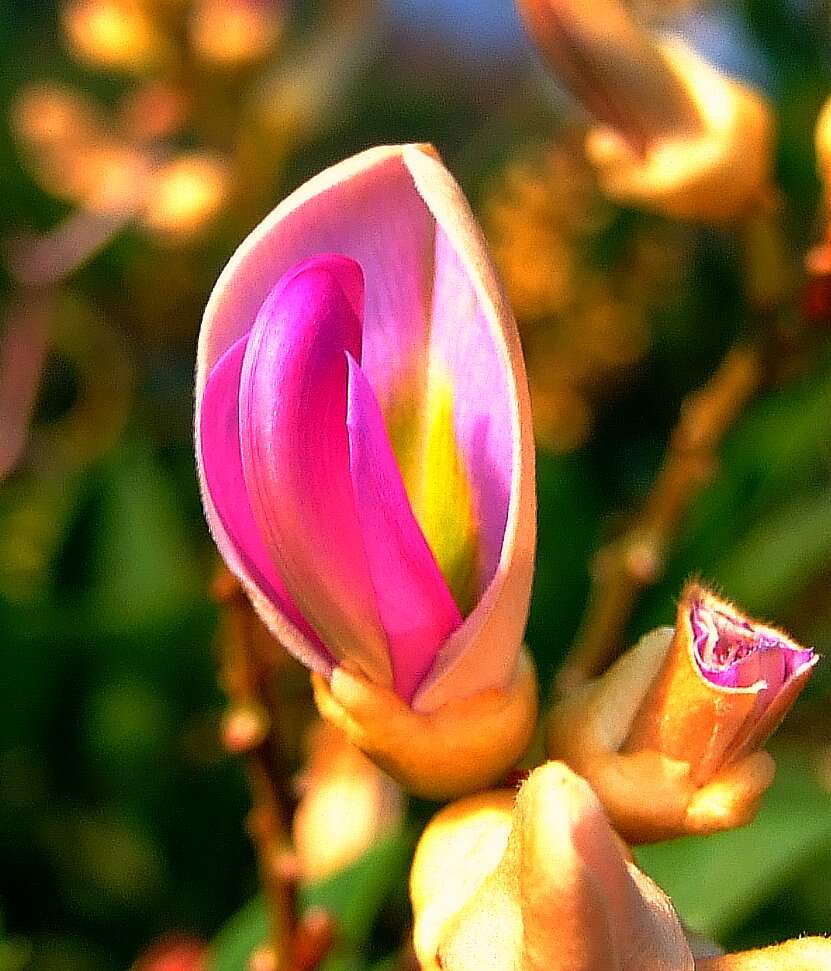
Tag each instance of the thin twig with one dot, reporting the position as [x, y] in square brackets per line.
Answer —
[295, 943]
[637, 559]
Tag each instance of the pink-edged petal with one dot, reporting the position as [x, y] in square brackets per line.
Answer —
[295, 454]
[478, 347]
[777, 707]
[767, 665]
[416, 607]
[467, 349]
[219, 438]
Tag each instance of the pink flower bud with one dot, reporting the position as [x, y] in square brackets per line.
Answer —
[725, 684]
[364, 443]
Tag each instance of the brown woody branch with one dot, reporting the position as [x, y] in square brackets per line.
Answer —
[636, 560]
[295, 943]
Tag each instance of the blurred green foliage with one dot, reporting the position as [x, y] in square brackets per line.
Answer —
[120, 818]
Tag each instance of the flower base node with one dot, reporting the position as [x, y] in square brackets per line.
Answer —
[464, 745]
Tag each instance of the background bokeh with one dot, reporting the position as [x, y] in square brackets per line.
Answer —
[140, 140]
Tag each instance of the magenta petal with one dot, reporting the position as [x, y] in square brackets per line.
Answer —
[796, 661]
[219, 434]
[765, 664]
[416, 607]
[295, 453]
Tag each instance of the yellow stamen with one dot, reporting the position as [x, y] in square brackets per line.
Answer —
[444, 503]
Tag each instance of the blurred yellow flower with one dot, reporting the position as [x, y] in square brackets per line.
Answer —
[188, 192]
[230, 33]
[347, 804]
[114, 34]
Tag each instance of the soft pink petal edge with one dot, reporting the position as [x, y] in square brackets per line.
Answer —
[483, 652]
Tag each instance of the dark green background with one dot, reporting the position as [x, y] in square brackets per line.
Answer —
[120, 819]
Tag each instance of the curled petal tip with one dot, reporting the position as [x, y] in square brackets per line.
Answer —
[427, 148]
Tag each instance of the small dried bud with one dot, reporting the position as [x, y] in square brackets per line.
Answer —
[725, 685]
[669, 736]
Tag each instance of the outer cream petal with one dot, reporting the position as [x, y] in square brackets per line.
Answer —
[715, 175]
